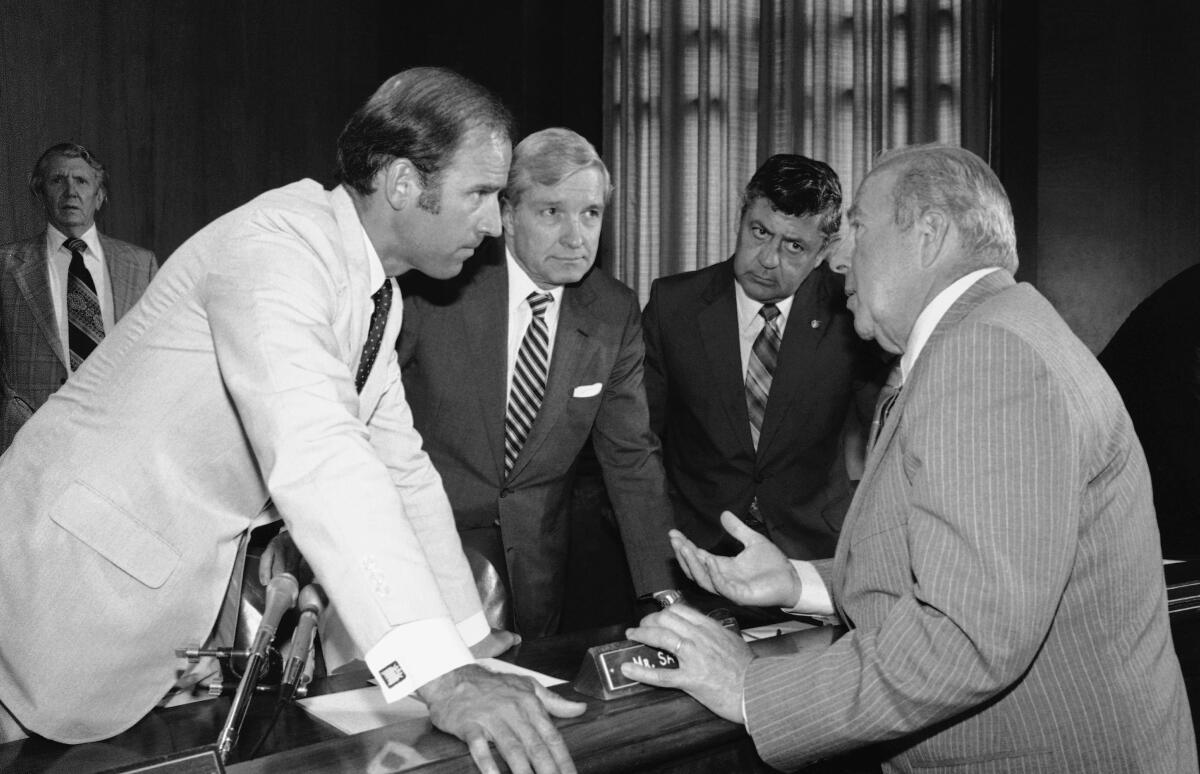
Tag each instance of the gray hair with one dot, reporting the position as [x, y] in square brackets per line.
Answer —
[547, 158]
[71, 150]
[962, 185]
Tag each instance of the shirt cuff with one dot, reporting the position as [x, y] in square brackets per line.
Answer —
[814, 596]
[474, 629]
[412, 654]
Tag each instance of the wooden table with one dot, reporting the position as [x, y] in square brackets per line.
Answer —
[657, 731]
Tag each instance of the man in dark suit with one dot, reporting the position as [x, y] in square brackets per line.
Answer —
[763, 440]
[61, 290]
[1154, 359]
[999, 571]
[503, 427]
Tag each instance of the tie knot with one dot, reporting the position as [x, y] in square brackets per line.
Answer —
[75, 244]
[769, 312]
[384, 294]
[538, 303]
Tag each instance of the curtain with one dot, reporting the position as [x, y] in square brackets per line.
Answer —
[699, 93]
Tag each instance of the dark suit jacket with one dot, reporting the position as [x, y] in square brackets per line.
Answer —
[32, 362]
[1154, 359]
[453, 358]
[695, 387]
[999, 571]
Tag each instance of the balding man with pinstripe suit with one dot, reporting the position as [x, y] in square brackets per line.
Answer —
[999, 571]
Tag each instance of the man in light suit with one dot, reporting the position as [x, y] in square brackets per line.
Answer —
[36, 278]
[461, 356]
[244, 386]
[999, 570]
[782, 468]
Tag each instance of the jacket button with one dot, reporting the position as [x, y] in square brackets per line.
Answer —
[505, 492]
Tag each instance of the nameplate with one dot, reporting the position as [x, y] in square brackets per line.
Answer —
[198, 760]
[600, 675]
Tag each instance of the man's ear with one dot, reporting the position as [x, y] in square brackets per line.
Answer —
[400, 182]
[933, 230]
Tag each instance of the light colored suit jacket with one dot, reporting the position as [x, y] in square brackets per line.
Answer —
[32, 362]
[123, 501]
[999, 570]
[453, 354]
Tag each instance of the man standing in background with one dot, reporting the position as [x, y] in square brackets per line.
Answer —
[753, 371]
[62, 290]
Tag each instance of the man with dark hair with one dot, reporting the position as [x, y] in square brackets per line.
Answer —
[752, 368]
[510, 371]
[62, 290]
[999, 573]
[243, 387]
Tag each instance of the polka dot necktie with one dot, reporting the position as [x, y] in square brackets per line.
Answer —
[529, 379]
[764, 355]
[379, 317]
[85, 325]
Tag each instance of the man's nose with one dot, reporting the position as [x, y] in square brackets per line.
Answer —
[768, 256]
[839, 261]
[489, 222]
[572, 235]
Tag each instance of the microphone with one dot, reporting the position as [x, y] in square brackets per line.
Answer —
[280, 597]
[312, 604]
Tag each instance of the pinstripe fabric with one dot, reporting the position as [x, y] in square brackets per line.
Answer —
[32, 362]
[1000, 572]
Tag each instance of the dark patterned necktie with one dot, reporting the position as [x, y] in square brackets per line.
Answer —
[85, 325]
[379, 318]
[764, 356]
[528, 381]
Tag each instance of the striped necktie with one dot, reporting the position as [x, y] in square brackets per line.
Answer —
[764, 356]
[528, 381]
[85, 325]
[379, 318]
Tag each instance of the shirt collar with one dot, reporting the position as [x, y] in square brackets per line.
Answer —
[520, 285]
[55, 239]
[375, 273]
[933, 313]
[747, 308]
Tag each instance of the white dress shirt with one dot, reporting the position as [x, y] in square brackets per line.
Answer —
[519, 313]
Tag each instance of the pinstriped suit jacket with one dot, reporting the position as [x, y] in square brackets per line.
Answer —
[32, 362]
[999, 570]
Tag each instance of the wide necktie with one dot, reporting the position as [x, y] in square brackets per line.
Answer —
[85, 325]
[379, 318]
[884, 403]
[764, 355]
[528, 381]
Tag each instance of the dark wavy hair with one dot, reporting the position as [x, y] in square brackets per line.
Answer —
[420, 114]
[798, 186]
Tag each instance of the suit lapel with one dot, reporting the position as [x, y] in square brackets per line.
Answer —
[33, 279]
[717, 324]
[121, 276]
[975, 295]
[808, 321]
[483, 318]
[573, 349]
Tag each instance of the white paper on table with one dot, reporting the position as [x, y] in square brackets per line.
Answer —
[362, 709]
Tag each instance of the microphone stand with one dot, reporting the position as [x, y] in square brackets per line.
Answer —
[280, 597]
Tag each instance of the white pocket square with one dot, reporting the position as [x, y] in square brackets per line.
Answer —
[587, 390]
